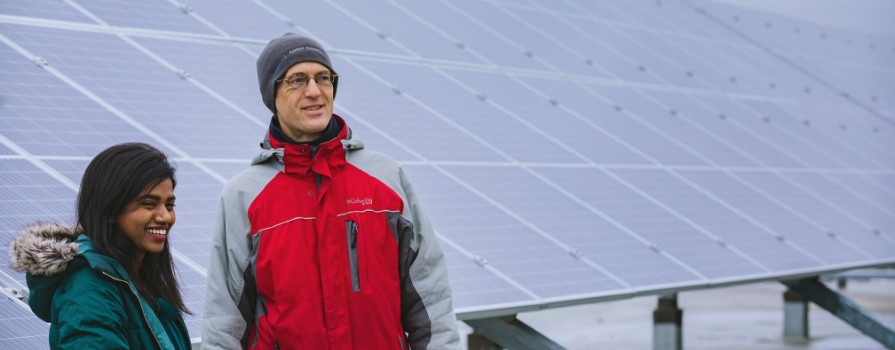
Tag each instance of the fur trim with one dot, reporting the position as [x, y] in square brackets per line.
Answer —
[43, 248]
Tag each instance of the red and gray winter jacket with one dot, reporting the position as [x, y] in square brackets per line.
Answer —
[325, 247]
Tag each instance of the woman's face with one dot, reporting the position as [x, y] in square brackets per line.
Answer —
[147, 219]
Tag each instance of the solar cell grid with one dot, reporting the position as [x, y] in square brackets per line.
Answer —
[144, 90]
[197, 200]
[472, 33]
[19, 329]
[431, 135]
[409, 31]
[243, 19]
[718, 218]
[573, 225]
[786, 222]
[72, 169]
[654, 57]
[48, 9]
[635, 129]
[831, 219]
[53, 120]
[844, 195]
[689, 63]
[662, 229]
[856, 142]
[224, 68]
[603, 11]
[680, 127]
[474, 286]
[494, 122]
[154, 14]
[747, 145]
[27, 193]
[684, 19]
[348, 34]
[564, 8]
[373, 137]
[536, 42]
[516, 248]
[556, 29]
[798, 134]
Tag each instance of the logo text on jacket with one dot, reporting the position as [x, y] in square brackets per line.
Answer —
[359, 201]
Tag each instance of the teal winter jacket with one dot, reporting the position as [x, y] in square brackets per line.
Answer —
[88, 298]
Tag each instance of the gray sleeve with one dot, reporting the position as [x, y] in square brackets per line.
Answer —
[426, 302]
[225, 315]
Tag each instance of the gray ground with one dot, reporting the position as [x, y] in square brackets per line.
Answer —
[742, 317]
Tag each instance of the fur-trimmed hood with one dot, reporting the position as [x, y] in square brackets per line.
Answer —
[49, 254]
[43, 249]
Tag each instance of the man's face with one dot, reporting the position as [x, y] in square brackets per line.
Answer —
[304, 112]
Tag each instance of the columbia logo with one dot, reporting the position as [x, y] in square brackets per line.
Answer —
[303, 48]
[359, 201]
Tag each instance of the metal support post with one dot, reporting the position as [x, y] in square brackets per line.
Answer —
[667, 324]
[795, 316]
[840, 306]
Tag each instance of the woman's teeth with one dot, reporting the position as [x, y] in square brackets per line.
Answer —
[157, 232]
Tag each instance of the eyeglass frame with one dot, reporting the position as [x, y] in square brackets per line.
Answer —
[333, 78]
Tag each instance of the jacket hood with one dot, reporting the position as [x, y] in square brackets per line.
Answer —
[43, 249]
[268, 150]
[47, 254]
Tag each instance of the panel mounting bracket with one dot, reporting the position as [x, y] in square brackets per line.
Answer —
[511, 333]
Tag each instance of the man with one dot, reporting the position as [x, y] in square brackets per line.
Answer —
[321, 244]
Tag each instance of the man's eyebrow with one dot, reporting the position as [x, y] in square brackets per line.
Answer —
[322, 71]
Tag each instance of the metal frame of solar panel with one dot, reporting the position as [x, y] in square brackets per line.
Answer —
[567, 151]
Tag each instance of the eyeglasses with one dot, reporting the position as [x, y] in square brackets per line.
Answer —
[300, 80]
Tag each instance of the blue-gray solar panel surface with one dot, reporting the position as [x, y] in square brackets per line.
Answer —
[566, 151]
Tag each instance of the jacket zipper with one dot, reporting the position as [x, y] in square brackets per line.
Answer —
[353, 264]
[142, 311]
[317, 178]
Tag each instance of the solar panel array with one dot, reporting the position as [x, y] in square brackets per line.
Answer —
[566, 151]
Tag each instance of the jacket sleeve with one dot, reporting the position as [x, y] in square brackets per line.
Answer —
[427, 311]
[90, 315]
[227, 312]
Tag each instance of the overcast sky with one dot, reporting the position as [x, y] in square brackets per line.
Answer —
[868, 16]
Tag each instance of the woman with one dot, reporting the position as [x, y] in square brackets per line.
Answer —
[110, 283]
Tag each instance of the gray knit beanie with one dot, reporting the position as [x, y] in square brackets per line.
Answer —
[282, 53]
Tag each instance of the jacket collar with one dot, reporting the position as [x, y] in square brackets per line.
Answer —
[114, 270]
[305, 159]
[98, 261]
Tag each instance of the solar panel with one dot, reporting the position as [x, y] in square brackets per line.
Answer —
[566, 152]
[19, 328]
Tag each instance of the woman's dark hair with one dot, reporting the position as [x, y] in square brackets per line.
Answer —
[113, 179]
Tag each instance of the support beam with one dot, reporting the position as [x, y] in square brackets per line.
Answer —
[510, 333]
[476, 341]
[840, 306]
[668, 324]
[795, 316]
